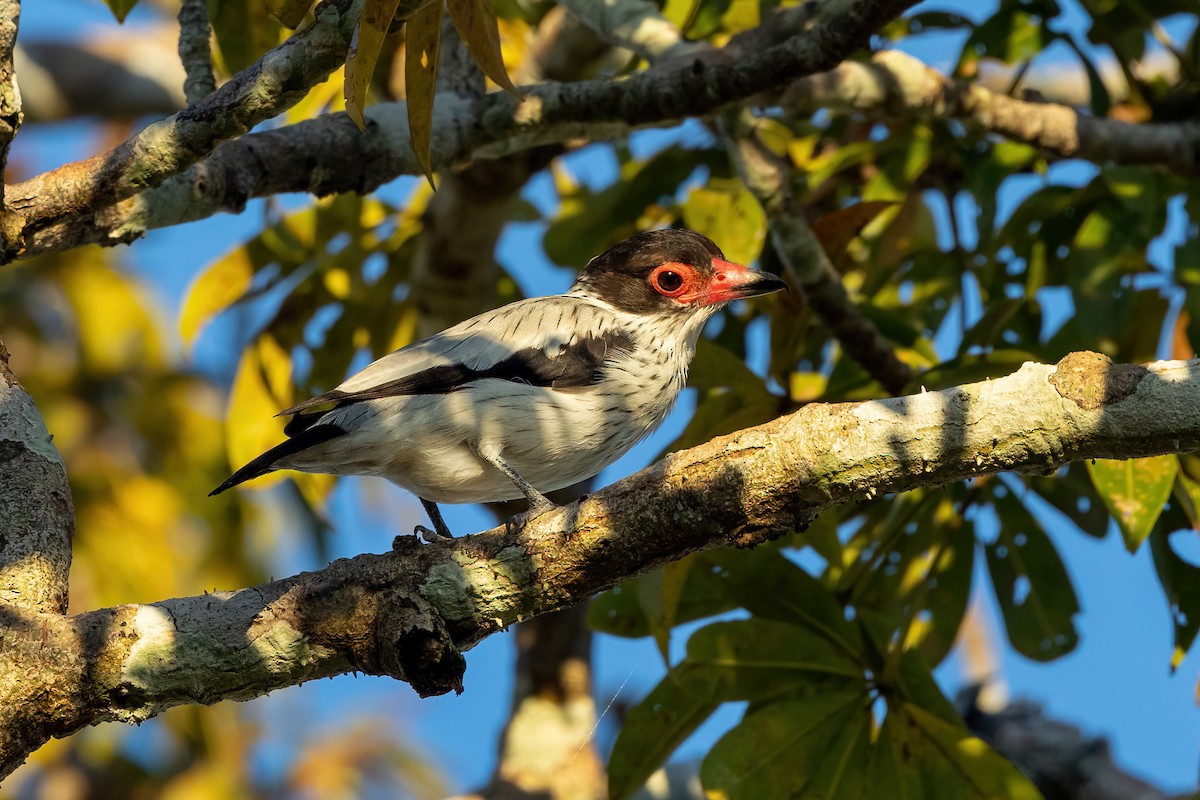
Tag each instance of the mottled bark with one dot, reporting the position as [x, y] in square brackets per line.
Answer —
[195, 50]
[408, 613]
[894, 84]
[37, 519]
[11, 224]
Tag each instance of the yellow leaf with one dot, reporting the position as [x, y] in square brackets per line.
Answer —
[337, 282]
[116, 329]
[365, 46]
[423, 34]
[216, 289]
[476, 24]
[261, 388]
[289, 12]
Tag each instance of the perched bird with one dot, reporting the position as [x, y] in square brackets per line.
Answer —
[537, 395]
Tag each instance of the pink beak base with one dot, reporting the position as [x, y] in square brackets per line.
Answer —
[733, 282]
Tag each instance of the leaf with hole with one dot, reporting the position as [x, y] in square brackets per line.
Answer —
[1180, 580]
[1032, 586]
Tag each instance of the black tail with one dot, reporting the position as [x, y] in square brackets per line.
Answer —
[266, 462]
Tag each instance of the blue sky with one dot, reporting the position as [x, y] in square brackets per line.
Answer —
[1116, 684]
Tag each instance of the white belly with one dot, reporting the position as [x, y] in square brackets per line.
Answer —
[426, 443]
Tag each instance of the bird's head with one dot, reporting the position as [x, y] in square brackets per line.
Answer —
[670, 272]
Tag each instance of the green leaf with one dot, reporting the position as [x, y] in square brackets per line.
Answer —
[622, 611]
[904, 160]
[772, 587]
[715, 367]
[1100, 100]
[1032, 585]
[590, 221]
[778, 749]
[727, 661]
[727, 213]
[752, 659]
[977, 770]
[1135, 492]
[1071, 492]
[940, 601]
[121, 8]
[289, 12]
[659, 596]
[476, 24]
[1181, 584]
[423, 35]
[655, 727]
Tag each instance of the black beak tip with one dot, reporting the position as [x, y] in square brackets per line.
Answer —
[768, 283]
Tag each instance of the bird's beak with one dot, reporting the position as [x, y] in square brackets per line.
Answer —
[733, 282]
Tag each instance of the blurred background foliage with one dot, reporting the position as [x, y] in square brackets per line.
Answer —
[970, 253]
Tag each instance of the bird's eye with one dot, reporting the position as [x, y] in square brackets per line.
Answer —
[668, 282]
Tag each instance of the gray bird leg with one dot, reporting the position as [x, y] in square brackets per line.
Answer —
[440, 529]
[538, 502]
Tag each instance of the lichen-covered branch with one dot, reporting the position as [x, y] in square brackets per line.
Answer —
[329, 154]
[195, 50]
[37, 518]
[409, 612]
[277, 81]
[894, 84]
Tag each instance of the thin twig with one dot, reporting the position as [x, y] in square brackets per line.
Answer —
[195, 50]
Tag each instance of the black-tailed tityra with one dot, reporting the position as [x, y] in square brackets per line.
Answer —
[537, 395]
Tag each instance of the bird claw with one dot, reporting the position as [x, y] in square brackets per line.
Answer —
[430, 536]
[517, 522]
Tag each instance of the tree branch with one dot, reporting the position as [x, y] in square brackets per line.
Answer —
[10, 117]
[120, 75]
[329, 154]
[407, 613]
[894, 84]
[195, 50]
[37, 519]
[635, 25]
[274, 83]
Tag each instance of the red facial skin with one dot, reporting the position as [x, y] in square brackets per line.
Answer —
[728, 282]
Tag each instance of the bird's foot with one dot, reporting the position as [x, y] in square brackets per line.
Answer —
[431, 536]
[537, 507]
[420, 535]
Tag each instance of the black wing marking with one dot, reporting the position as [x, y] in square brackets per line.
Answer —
[577, 365]
[303, 439]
